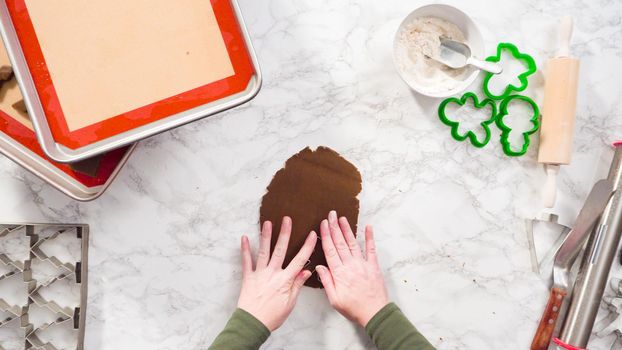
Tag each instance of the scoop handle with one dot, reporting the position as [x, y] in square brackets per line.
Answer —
[491, 67]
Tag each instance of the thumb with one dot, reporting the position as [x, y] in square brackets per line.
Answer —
[299, 281]
[327, 281]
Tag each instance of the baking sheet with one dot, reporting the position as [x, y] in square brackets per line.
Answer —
[106, 68]
[19, 142]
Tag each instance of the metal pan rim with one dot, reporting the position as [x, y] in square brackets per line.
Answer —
[47, 172]
[63, 154]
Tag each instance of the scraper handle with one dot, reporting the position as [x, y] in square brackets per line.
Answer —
[543, 336]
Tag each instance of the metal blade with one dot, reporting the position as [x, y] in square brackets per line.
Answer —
[594, 206]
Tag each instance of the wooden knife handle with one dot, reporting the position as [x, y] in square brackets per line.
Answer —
[543, 336]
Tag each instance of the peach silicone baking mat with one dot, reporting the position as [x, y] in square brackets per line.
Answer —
[110, 70]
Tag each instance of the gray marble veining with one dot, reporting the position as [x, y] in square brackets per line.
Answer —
[164, 263]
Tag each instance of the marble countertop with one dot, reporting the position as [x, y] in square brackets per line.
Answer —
[450, 219]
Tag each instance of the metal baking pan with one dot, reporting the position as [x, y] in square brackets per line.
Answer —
[99, 75]
[19, 143]
[70, 270]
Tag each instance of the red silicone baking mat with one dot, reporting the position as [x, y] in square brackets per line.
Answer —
[19, 142]
[27, 138]
[101, 69]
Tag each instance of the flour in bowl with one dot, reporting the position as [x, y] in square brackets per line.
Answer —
[420, 39]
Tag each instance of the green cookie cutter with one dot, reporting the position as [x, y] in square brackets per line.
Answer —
[529, 63]
[505, 130]
[454, 125]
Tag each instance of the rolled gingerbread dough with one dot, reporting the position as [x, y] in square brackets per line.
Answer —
[311, 184]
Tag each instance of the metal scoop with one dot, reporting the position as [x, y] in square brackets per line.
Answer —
[455, 54]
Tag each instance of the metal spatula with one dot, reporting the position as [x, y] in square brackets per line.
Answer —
[455, 54]
[564, 259]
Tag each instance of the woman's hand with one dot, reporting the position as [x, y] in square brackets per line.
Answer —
[269, 292]
[353, 283]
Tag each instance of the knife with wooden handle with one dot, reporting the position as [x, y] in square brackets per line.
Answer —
[566, 255]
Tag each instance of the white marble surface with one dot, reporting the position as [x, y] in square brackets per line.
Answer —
[164, 264]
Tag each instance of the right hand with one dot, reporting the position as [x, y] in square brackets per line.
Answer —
[354, 284]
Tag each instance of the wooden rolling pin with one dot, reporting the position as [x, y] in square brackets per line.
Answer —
[558, 114]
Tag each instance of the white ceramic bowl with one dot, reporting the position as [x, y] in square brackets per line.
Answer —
[471, 33]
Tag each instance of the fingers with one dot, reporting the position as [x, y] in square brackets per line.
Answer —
[327, 281]
[281, 244]
[353, 245]
[338, 240]
[330, 252]
[302, 257]
[370, 245]
[263, 257]
[299, 281]
[247, 260]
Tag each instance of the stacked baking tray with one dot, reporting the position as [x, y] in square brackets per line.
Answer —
[43, 286]
[96, 77]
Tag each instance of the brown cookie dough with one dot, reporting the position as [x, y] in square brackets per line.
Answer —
[6, 73]
[88, 166]
[20, 106]
[311, 184]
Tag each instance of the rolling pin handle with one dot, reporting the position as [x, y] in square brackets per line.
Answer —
[565, 33]
[550, 187]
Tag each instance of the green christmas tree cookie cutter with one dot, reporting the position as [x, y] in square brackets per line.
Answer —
[528, 61]
[505, 130]
[454, 125]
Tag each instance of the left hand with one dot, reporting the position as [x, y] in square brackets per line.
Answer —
[269, 292]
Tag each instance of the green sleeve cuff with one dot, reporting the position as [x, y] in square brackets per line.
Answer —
[242, 332]
[380, 317]
[391, 330]
[257, 329]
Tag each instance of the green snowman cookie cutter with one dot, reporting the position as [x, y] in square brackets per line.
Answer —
[454, 125]
[528, 62]
[505, 130]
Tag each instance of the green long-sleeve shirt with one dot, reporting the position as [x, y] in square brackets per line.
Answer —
[389, 329]
[242, 332]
